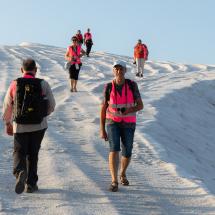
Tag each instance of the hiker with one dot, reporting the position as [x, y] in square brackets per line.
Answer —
[118, 110]
[73, 56]
[79, 37]
[88, 41]
[27, 103]
[140, 57]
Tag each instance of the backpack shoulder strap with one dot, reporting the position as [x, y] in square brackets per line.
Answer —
[131, 85]
[108, 91]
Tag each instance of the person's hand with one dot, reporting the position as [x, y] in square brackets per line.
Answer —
[9, 129]
[103, 135]
[128, 110]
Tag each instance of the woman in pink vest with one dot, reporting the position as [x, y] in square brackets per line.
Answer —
[80, 37]
[118, 110]
[73, 55]
[88, 41]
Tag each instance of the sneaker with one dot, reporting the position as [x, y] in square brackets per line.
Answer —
[123, 180]
[30, 188]
[113, 187]
[20, 182]
[141, 75]
[137, 74]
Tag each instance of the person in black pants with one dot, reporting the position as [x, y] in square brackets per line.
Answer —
[88, 41]
[28, 129]
[73, 56]
[26, 147]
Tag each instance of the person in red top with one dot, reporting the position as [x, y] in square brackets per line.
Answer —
[80, 37]
[121, 101]
[73, 56]
[140, 57]
[88, 41]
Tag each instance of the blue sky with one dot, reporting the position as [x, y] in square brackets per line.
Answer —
[181, 31]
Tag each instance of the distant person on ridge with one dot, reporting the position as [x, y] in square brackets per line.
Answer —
[80, 37]
[73, 56]
[88, 41]
[27, 103]
[121, 102]
[140, 57]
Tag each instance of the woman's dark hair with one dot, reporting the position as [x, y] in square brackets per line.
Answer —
[28, 64]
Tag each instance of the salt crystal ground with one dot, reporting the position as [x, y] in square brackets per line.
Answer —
[172, 170]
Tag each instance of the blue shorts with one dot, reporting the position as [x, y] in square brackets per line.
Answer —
[116, 132]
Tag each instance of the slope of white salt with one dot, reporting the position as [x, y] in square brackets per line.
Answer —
[172, 169]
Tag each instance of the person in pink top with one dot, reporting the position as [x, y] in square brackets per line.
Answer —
[79, 37]
[26, 104]
[73, 56]
[118, 110]
[88, 41]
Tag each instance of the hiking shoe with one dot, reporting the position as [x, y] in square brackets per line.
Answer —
[113, 187]
[30, 188]
[20, 182]
[123, 180]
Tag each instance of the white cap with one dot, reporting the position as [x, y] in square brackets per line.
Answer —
[120, 62]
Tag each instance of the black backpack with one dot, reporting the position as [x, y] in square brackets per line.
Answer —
[130, 85]
[30, 106]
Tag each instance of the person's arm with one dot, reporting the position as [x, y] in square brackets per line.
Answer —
[67, 56]
[104, 107]
[103, 132]
[49, 95]
[139, 106]
[134, 62]
[82, 52]
[138, 101]
[8, 110]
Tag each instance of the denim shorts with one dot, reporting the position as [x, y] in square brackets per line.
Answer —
[117, 134]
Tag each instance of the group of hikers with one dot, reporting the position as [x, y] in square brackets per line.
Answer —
[74, 53]
[29, 100]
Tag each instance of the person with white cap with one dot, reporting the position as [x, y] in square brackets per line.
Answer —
[121, 101]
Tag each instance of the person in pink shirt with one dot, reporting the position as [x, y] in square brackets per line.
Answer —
[79, 37]
[88, 41]
[73, 55]
[121, 101]
[26, 104]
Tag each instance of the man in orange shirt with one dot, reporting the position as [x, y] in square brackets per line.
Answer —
[140, 56]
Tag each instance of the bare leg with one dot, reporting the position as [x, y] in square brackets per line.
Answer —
[114, 165]
[124, 165]
[75, 85]
[72, 84]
